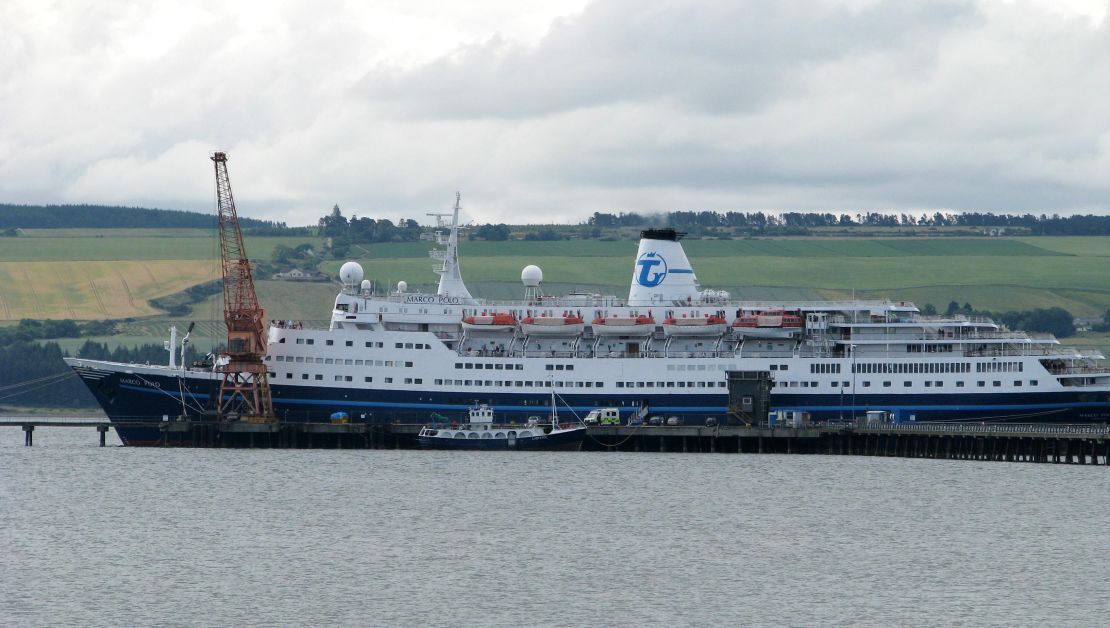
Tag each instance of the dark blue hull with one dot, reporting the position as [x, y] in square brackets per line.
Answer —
[125, 398]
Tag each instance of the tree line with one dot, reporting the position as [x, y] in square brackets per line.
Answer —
[113, 217]
[1042, 224]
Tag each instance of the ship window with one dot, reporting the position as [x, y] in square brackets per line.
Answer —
[651, 384]
[327, 361]
[408, 364]
[350, 343]
[938, 384]
[813, 384]
[281, 340]
[928, 384]
[599, 384]
[959, 384]
[489, 367]
[304, 375]
[620, 384]
[408, 380]
[549, 367]
[497, 367]
[996, 383]
[330, 342]
[680, 384]
[867, 384]
[300, 358]
[310, 341]
[1032, 382]
[570, 367]
[288, 376]
[408, 345]
[774, 367]
[886, 384]
[300, 341]
[367, 379]
[319, 377]
[399, 345]
[784, 367]
[389, 380]
[338, 378]
[1017, 382]
[981, 383]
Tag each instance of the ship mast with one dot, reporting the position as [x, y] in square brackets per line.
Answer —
[450, 276]
[244, 389]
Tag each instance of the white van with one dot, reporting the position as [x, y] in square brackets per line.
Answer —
[603, 416]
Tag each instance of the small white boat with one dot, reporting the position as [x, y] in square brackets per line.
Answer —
[482, 433]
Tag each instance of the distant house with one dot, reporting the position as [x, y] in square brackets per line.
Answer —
[301, 275]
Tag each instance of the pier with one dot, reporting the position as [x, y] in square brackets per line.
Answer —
[1056, 444]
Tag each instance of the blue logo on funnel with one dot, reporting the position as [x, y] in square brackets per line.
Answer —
[652, 269]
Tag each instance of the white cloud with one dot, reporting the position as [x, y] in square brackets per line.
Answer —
[550, 111]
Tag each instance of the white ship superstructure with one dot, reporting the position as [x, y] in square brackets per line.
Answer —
[665, 349]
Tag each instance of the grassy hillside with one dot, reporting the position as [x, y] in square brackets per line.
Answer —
[86, 274]
[995, 274]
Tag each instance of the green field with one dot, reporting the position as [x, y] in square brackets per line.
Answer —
[87, 274]
[996, 274]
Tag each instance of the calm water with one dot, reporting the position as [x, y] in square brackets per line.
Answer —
[124, 536]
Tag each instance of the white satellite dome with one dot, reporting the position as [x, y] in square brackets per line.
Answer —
[350, 274]
[366, 285]
[402, 286]
[531, 276]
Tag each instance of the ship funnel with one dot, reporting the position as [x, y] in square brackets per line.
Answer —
[662, 274]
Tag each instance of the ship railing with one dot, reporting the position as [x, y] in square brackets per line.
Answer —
[1078, 370]
[993, 428]
[865, 338]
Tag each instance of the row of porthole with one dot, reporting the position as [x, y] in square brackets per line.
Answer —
[524, 434]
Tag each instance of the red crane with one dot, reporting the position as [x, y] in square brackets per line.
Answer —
[244, 388]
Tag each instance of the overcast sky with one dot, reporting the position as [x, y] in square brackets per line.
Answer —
[549, 111]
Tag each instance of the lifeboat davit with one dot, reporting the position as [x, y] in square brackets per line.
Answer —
[770, 324]
[624, 326]
[567, 325]
[695, 326]
[490, 322]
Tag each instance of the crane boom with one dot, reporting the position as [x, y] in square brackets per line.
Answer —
[244, 388]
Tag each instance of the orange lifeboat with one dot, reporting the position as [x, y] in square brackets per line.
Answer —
[708, 325]
[769, 324]
[496, 322]
[624, 325]
[565, 325]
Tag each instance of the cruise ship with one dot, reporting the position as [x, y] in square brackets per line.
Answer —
[664, 350]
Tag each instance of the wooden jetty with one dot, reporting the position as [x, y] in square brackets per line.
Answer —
[1070, 444]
